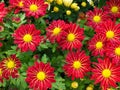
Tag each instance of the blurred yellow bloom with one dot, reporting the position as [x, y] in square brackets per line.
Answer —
[83, 4]
[68, 12]
[90, 87]
[77, 8]
[74, 5]
[59, 2]
[67, 3]
[55, 9]
[74, 84]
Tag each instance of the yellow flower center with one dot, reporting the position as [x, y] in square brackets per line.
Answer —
[71, 37]
[74, 84]
[41, 76]
[10, 64]
[33, 8]
[117, 51]
[109, 34]
[114, 9]
[99, 45]
[77, 64]
[27, 38]
[0, 72]
[106, 73]
[97, 19]
[20, 4]
[56, 31]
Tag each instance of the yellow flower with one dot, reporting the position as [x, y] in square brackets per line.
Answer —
[74, 5]
[83, 4]
[59, 2]
[74, 84]
[77, 8]
[90, 87]
[67, 3]
[68, 12]
[55, 9]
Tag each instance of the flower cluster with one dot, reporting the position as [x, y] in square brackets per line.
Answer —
[31, 8]
[68, 35]
[105, 44]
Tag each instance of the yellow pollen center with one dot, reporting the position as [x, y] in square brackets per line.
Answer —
[117, 51]
[41, 76]
[0, 72]
[114, 9]
[77, 64]
[97, 19]
[10, 64]
[21, 4]
[106, 73]
[27, 38]
[109, 34]
[33, 8]
[56, 31]
[71, 37]
[99, 45]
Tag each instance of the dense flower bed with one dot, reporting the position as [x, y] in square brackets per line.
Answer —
[60, 45]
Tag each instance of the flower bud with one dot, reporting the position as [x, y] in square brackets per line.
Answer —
[55, 9]
[67, 3]
[74, 84]
[74, 5]
[68, 12]
[59, 2]
[83, 4]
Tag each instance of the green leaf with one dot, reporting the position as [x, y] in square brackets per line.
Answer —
[44, 58]
[101, 3]
[43, 45]
[59, 84]
[54, 47]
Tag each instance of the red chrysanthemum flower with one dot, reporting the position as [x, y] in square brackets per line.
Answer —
[40, 76]
[17, 4]
[77, 64]
[1, 71]
[106, 73]
[3, 11]
[110, 30]
[97, 45]
[72, 37]
[94, 18]
[113, 51]
[35, 8]
[27, 37]
[55, 30]
[10, 66]
[113, 7]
